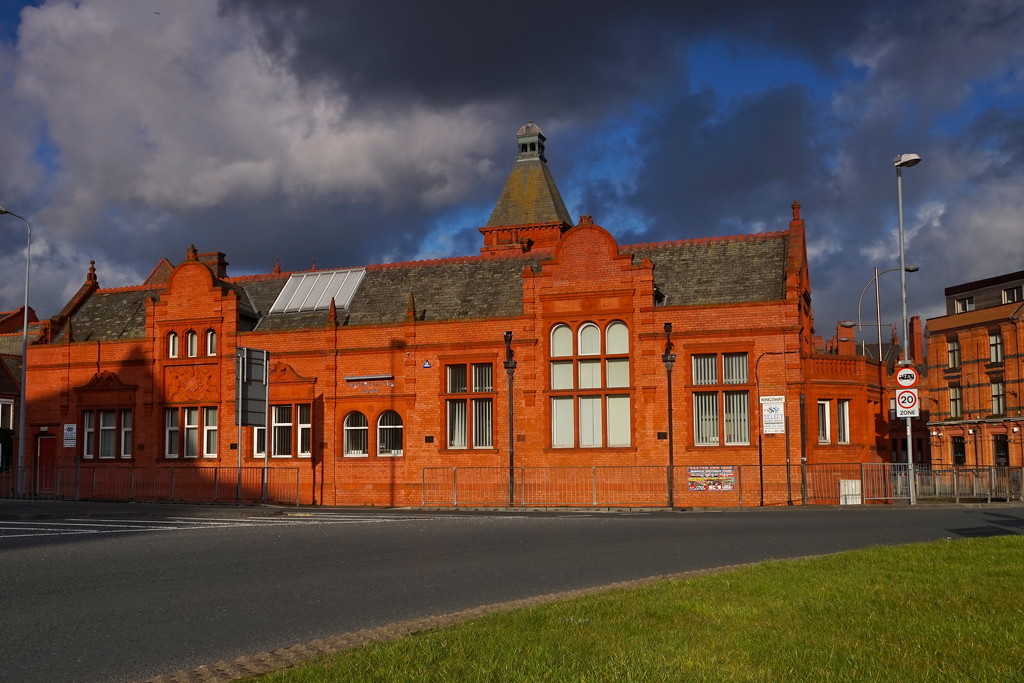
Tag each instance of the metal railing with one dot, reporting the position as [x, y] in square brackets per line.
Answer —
[713, 485]
[179, 483]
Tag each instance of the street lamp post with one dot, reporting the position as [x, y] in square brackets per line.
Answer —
[878, 306]
[510, 368]
[20, 486]
[900, 162]
[669, 359]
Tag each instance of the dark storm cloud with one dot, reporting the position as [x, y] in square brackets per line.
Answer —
[569, 55]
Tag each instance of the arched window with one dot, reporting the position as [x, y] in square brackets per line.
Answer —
[172, 345]
[192, 344]
[389, 434]
[357, 434]
[211, 343]
[590, 340]
[590, 388]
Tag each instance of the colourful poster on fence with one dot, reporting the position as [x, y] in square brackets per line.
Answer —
[712, 478]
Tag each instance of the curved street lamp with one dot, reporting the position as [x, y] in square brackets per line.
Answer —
[20, 486]
[878, 306]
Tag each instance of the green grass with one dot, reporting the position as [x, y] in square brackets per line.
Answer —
[943, 611]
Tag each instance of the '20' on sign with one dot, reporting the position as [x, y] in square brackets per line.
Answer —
[907, 403]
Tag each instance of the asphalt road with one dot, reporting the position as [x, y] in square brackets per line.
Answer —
[122, 598]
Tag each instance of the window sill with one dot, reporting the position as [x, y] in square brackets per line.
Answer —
[356, 455]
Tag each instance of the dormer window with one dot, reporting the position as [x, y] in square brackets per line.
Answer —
[965, 304]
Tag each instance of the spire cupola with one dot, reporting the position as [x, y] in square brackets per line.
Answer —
[531, 142]
[530, 213]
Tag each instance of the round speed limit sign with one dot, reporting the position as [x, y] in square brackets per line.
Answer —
[907, 402]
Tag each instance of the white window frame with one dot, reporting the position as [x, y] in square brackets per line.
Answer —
[88, 434]
[953, 359]
[281, 445]
[824, 421]
[706, 422]
[191, 344]
[382, 435]
[172, 345]
[211, 343]
[172, 415]
[998, 390]
[956, 402]
[190, 444]
[210, 432]
[126, 433]
[995, 347]
[843, 421]
[965, 304]
[353, 429]
[304, 418]
[107, 428]
[259, 442]
[1012, 295]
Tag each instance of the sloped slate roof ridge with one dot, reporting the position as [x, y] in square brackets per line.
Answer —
[718, 270]
[110, 315]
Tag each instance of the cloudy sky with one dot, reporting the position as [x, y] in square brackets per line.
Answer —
[352, 132]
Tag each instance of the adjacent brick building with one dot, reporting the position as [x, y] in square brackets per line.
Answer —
[386, 376]
[975, 353]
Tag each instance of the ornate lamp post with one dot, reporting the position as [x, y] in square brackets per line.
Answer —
[510, 368]
[669, 359]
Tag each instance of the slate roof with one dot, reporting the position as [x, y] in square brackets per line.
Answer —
[718, 271]
[110, 316]
[11, 343]
[443, 291]
[529, 197]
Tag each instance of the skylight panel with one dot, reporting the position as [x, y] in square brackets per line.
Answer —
[314, 291]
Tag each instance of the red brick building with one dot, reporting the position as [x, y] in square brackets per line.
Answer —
[388, 383]
[975, 353]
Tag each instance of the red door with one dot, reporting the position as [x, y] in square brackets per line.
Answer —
[46, 464]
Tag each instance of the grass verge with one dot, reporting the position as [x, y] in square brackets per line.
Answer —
[942, 611]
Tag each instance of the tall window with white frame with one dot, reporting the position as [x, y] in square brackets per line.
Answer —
[281, 444]
[953, 353]
[469, 405]
[209, 432]
[589, 379]
[995, 347]
[728, 397]
[843, 421]
[956, 403]
[824, 419]
[211, 343]
[192, 344]
[172, 345]
[998, 389]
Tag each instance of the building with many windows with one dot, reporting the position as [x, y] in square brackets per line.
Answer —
[975, 353]
[547, 351]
